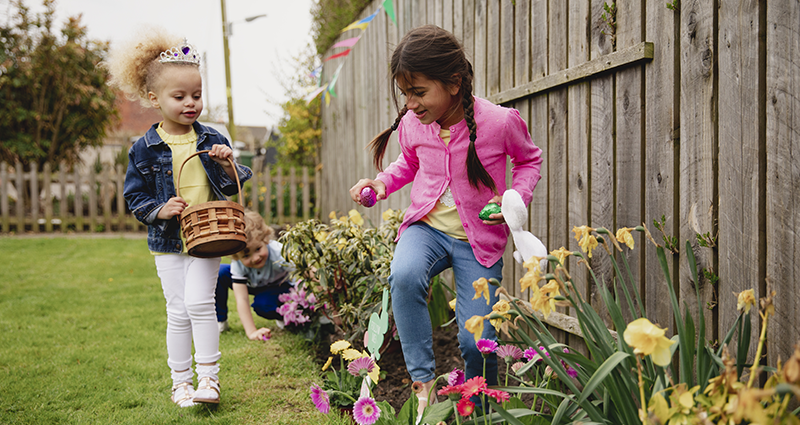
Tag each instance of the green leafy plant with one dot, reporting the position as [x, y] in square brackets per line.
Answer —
[345, 264]
[671, 242]
[609, 16]
[706, 240]
[674, 5]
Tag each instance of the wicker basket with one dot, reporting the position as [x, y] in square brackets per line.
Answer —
[216, 228]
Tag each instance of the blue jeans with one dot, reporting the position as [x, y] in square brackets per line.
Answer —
[422, 253]
[265, 301]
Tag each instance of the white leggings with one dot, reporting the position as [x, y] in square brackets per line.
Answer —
[189, 285]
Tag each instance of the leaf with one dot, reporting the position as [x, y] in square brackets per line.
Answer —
[408, 413]
[511, 419]
[436, 413]
[601, 374]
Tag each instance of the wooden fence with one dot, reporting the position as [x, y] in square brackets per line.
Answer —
[691, 112]
[92, 202]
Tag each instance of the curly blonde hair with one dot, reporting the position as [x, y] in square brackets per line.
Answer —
[135, 67]
[257, 232]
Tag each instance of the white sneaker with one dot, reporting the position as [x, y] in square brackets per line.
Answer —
[207, 391]
[183, 394]
[223, 326]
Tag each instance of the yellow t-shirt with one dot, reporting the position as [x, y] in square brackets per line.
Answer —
[194, 186]
[444, 217]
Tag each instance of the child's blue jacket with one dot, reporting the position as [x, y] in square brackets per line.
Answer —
[149, 183]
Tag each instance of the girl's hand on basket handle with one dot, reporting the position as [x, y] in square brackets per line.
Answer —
[173, 207]
[220, 155]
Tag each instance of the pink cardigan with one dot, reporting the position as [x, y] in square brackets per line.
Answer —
[432, 166]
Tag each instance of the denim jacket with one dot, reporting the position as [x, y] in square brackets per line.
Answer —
[149, 183]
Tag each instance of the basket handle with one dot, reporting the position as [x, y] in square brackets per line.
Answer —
[235, 173]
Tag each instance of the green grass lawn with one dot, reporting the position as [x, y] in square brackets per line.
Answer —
[82, 341]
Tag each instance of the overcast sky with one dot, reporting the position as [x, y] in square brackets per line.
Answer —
[260, 50]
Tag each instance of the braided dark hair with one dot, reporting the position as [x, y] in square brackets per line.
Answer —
[437, 54]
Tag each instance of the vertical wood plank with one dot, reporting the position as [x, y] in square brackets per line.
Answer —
[480, 53]
[279, 217]
[438, 12]
[458, 21]
[507, 47]
[697, 149]
[468, 31]
[742, 159]
[92, 200]
[105, 192]
[662, 88]
[602, 156]
[48, 198]
[306, 194]
[34, 180]
[20, 204]
[293, 194]
[557, 134]
[522, 43]
[122, 216]
[4, 196]
[493, 47]
[78, 201]
[267, 195]
[63, 203]
[254, 193]
[447, 15]
[578, 126]
[629, 153]
[783, 180]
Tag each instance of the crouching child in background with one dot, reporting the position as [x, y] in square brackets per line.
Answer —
[258, 270]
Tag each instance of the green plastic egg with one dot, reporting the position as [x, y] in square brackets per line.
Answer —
[488, 210]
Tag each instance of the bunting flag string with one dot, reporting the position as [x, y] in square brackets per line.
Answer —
[328, 90]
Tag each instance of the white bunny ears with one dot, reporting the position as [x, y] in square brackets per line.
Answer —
[516, 216]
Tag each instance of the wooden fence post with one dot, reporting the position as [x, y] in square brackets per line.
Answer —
[279, 195]
[254, 193]
[267, 195]
[78, 201]
[92, 201]
[121, 217]
[48, 199]
[20, 206]
[106, 189]
[34, 197]
[293, 195]
[306, 194]
[63, 203]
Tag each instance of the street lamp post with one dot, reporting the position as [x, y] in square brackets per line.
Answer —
[226, 31]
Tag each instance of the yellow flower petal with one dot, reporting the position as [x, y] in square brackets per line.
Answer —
[649, 340]
[339, 346]
[745, 300]
[356, 218]
[375, 374]
[501, 307]
[351, 354]
[327, 364]
[387, 215]
[332, 215]
[475, 326]
[452, 304]
[481, 288]
[624, 236]
[562, 254]
[585, 239]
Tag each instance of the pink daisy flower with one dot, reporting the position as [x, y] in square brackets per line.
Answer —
[532, 355]
[320, 399]
[517, 366]
[465, 407]
[361, 366]
[473, 386]
[365, 411]
[500, 396]
[486, 346]
[509, 353]
[455, 378]
[452, 392]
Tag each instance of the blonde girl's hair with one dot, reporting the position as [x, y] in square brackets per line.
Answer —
[135, 67]
[256, 230]
[436, 54]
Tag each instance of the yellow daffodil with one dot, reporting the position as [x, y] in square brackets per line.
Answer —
[659, 407]
[533, 275]
[585, 239]
[542, 298]
[321, 236]
[562, 254]
[475, 326]
[339, 346]
[501, 308]
[332, 215]
[745, 300]
[481, 288]
[649, 340]
[327, 364]
[624, 236]
[350, 354]
[356, 218]
[387, 215]
[341, 244]
[452, 304]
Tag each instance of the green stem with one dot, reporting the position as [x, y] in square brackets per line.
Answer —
[483, 399]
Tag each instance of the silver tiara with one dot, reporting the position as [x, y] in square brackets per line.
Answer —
[183, 53]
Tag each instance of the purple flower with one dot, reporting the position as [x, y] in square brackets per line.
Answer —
[455, 378]
[486, 346]
[361, 366]
[320, 399]
[509, 352]
[532, 355]
[365, 411]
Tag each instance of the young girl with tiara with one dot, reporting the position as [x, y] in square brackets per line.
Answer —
[453, 149]
[163, 73]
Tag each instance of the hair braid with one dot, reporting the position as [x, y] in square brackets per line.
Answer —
[476, 173]
[379, 143]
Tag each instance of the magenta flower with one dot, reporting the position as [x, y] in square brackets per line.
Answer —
[532, 355]
[455, 378]
[365, 411]
[320, 399]
[509, 352]
[486, 346]
[361, 366]
[500, 396]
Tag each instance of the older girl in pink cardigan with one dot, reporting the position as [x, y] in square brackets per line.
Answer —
[453, 149]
